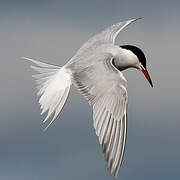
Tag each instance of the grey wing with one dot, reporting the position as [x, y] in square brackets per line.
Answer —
[106, 36]
[105, 88]
[109, 114]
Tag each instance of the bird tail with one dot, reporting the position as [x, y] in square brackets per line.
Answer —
[53, 84]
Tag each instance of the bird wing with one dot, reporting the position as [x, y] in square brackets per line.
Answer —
[105, 88]
[109, 114]
[107, 36]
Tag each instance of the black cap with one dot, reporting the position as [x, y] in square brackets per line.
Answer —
[138, 52]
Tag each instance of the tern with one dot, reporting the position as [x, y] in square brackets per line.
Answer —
[96, 71]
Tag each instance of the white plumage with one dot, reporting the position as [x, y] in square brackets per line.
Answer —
[53, 84]
[95, 71]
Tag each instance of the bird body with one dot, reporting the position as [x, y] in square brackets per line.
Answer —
[95, 70]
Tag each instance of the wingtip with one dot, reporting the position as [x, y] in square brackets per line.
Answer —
[136, 19]
[132, 20]
[140, 18]
[25, 58]
[45, 129]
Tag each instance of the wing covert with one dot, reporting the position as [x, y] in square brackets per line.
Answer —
[94, 81]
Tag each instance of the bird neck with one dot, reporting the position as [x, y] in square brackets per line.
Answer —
[127, 59]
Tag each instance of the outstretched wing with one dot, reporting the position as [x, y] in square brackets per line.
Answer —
[109, 114]
[105, 88]
[107, 36]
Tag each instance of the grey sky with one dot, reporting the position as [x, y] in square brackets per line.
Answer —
[52, 31]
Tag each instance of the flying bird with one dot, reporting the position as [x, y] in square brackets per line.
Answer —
[96, 71]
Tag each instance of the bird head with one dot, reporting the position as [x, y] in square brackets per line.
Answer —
[141, 64]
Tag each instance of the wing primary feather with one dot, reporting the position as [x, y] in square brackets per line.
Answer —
[98, 111]
[111, 142]
[107, 134]
[103, 121]
[111, 129]
[123, 146]
[111, 152]
[115, 147]
[104, 128]
[99, 119]
[121, 140]
[104, 124]
[116, 160]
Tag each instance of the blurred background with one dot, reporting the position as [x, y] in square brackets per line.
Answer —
[52, 31]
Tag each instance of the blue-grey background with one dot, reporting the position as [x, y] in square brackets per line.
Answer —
[52, 31]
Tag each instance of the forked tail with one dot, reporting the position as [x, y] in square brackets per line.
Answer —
[53, 84]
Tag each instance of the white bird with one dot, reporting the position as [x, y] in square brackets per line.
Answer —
[95, 70]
